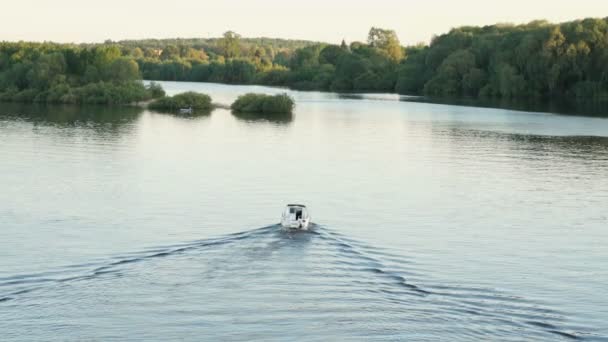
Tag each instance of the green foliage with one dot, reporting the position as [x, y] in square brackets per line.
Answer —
[55, 73]
[92, 93]
[332, 54]
[278, 76]
[413, 74]
[137, 53]
[169, 52]
[306, 57]
[296, 64]
[212, 46]
[264, 104]
[230, 45]
[155, 90]
[107, 93]
[536, 60]
[196, 101]
[103, 55]
[386, 40]
[239, 72]
[123, 70]
[448, 80]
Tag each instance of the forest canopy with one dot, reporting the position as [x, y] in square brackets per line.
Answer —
[56, 73]
[537, 60]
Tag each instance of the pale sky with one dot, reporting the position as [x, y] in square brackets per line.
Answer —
[329, 20]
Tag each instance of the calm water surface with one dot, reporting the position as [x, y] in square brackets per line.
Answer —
[433, 222]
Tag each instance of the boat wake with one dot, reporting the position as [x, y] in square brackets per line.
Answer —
[267, 284]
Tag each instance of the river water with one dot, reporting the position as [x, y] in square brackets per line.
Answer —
[432, 222]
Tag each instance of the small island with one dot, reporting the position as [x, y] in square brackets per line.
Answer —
[263, 104]
[187, 102]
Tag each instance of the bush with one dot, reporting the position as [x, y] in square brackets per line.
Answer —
[196, 101]
[155, 90]
[261, 103]
[111, 93]
[92, 93]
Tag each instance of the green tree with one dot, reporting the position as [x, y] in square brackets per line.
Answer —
[102, 56]
[306, 57]
[343, 45]
[170, 52]
[386, 40]
[413, 72]
[239, 71]
[49, 69]
[123, 70]
[511, 83]
[137, 53]
[331, 54]
[230, 44]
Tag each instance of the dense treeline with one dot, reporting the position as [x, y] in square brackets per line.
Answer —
[535, 60]
[302, 65]
[213, 46]
[56, 73]
[538, 60]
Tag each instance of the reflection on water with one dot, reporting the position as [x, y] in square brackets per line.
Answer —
[592, 148]
[196, 114]
[71, 115]
[275, 118]
[435, 222]
[598, 108]
[102, 120]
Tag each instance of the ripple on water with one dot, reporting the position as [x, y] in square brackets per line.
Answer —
[268, 284]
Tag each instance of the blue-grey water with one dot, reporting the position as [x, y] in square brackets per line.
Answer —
[432, 222]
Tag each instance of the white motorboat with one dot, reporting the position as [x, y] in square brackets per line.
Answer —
[295, 216]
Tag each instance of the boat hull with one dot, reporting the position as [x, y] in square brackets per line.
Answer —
[295, 216]
[300, 224]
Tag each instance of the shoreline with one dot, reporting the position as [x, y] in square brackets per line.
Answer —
[585, 108]
[573, 107]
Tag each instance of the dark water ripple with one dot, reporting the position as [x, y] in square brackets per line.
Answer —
[266, 284]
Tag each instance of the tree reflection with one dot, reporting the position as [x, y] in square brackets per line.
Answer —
[100, 119]
[275, 118]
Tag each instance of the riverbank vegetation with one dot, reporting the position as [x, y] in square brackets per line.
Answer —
[538, 60]
[190, 100]
[263, 104]
[58, 73]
